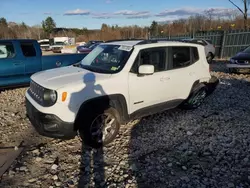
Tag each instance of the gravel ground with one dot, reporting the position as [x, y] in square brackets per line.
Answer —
[206, 147]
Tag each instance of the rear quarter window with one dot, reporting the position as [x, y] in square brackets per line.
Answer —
[195, 54]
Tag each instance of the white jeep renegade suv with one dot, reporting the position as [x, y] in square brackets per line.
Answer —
[117, 82]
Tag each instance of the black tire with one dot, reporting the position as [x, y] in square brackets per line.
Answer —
[91, 133]
[196, 98]
[210, 58]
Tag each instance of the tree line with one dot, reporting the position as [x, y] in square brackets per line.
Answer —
[199, 22]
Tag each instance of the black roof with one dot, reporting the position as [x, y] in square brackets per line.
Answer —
[150, 41]
[167, 40]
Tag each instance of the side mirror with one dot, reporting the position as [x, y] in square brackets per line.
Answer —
[146, 69]
[242, 49]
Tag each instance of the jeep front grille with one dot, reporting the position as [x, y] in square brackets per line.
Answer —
[36, 92]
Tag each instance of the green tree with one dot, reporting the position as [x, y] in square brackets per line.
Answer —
[154, 28]
[3, 22]
[48, 25]
[104, 27]
[23, 25]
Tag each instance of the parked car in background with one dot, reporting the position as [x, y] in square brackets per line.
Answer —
[209, 47]
[20, 58]
[82, 49]
[57, 47]
[240, 62]
[60, 42]
[45, 44]
[89, 43]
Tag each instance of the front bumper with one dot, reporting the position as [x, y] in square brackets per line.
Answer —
[49, 125]
[212, 84]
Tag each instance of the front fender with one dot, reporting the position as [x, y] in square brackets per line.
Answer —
[116, 101]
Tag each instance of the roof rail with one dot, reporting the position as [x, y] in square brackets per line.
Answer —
[150, 41]
[117, 40]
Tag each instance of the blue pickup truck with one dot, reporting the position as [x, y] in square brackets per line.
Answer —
[20, 58]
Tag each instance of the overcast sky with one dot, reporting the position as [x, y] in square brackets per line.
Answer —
[92, 13]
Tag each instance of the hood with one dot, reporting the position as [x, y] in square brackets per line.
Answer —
[241, 56]
[60, 77]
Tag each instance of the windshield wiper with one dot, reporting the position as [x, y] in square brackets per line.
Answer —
[95, 69]
[91, 68]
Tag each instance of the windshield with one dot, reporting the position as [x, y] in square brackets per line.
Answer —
[59, 43]
[44, 43]
[106, 58]
[247, 50]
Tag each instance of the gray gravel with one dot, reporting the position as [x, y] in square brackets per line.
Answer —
[206, 147]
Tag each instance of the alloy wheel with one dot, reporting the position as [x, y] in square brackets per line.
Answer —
[103, 128]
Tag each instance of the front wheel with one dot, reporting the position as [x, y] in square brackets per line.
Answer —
[196, 98]
[102, 128]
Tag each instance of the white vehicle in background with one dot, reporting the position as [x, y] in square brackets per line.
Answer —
[60, 42]
[209, 47]
[44, 44]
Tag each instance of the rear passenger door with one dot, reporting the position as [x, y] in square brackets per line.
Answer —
[32, 58]
[181, 69]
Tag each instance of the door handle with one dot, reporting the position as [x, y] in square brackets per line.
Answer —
[16, 64]
[162, 79]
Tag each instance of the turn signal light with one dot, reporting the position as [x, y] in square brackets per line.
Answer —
[64, 96]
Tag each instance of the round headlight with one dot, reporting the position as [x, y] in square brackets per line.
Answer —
[50, 96]
[53, 96]
[232, 60]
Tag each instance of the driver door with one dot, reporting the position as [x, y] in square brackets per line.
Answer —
[148, 91]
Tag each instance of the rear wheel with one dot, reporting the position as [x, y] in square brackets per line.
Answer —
[101, 127]
[196, 98]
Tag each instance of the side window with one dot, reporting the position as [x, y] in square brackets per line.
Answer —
[195, 54]
[153, 56]
[6, 50]
[181, 57]
[28, 49]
